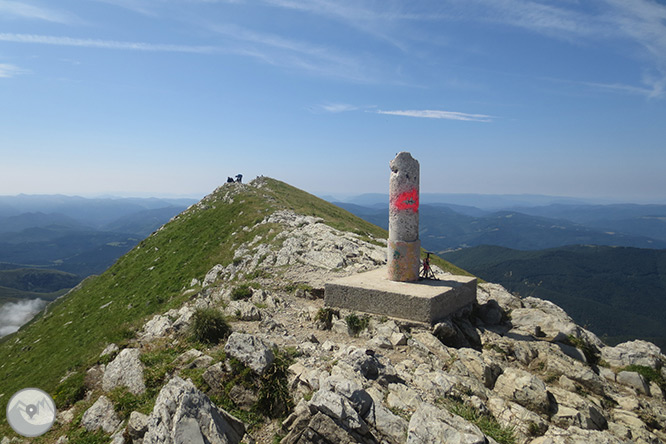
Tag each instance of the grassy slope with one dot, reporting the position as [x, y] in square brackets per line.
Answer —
[617, 292]
[148, 280]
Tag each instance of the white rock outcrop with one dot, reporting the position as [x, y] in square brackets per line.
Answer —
[126, 370]
[184, 415]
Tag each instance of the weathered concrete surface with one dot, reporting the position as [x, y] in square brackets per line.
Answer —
[404, 246]
[426, 301]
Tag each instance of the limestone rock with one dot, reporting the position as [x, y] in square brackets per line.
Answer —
[403, 398]
[351, 390]
[488, 291]
[523, 421]
[562, 365]
[430, 425]
[243, 310]
[337, 407]
[320, 429]
[484, 369]
[573, 410]
[386, 423]
[125, 371]
[575, 435]
[212, 275]
[101, 415]
[214, 376]
[157, 327]
[524, 388]
[110, 349]
[634, 353]
[249, 350]
[137, 425]
[634, 380]
[183, 414]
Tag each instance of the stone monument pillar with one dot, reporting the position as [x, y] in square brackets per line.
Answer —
[404, 246]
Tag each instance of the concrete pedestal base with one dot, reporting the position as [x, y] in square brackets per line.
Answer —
[424, 301]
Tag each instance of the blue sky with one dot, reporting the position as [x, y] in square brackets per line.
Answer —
[169, 97]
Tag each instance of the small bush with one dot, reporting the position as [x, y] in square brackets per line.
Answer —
[357, 325]
[243, 291]
[209, 326]
[325, 317]
[70, 390]
[274, 398]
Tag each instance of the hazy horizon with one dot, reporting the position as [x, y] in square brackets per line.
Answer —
[349, 197]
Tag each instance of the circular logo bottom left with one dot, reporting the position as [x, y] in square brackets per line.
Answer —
[31, 412]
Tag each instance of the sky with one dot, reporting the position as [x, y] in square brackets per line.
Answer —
[170, 97]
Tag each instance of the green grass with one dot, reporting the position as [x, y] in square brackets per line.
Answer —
[486, 422]
[150, 279]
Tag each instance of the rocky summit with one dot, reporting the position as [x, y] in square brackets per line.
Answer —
[239, 347]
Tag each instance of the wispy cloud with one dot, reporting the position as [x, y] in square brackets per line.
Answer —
[641, 22]
[437, 114]
[290, 53]
[7, 70]
[337, 107]
[105, 44]
[28, 11]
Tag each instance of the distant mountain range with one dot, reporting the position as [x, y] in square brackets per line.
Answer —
[445, 227]
[617, 292]
[50, 243]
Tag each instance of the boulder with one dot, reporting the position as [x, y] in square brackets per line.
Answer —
[571, 409]
[524, 388]
[558, 364]
[482, 368]
[340, 409]
[403, 398]
[249, 350]
[634, 353]
[101, 415]
[386, 423]
[523, 421]
[488, 291]
[430, 425]
[137, 425]
[183, 414]
[634, 380]
[126, 370]
[351, 390]
[320, 429]
[157, 327]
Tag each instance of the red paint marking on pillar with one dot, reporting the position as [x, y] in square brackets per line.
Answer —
[409, 200]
